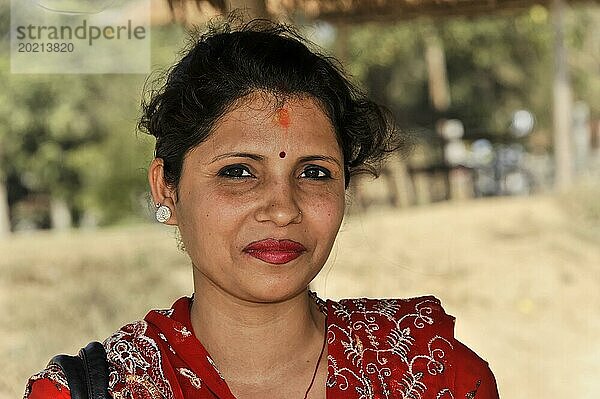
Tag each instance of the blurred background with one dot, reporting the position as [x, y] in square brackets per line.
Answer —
[496, 211]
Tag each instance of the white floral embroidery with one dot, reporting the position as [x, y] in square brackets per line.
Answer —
[124, 353]
[165, 312]
[135, 362]
[54, 373]
[445, 393]
[191, 376]
[113, 378]
[212, 363]
[362, 318]
[183, 331]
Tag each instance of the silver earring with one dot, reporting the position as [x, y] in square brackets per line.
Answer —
[163, 213]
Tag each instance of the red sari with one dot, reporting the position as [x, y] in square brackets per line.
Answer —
[377, 349]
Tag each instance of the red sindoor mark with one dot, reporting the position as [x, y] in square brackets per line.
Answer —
[283, 117]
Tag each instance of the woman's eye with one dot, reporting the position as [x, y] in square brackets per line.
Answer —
[235, 172]
[317, 173]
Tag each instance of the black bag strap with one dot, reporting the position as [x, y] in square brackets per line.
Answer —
[86, 373]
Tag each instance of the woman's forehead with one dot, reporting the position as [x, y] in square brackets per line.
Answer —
[297, 123]
[276, 107]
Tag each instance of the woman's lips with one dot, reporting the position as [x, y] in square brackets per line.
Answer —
[274, 257]
[275, 251]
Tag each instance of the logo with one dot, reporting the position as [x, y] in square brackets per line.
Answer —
[80, 36]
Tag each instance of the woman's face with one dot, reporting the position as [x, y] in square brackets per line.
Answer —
[264, 173]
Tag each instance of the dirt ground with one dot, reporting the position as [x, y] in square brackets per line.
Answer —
[521, 275]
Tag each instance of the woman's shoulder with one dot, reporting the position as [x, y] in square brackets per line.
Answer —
[422, 311]
[474, 378]
[409, 318]
[50, 383]
[132, 342]
[412, 336]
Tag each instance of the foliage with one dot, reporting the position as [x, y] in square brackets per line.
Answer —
[584, 56]
[495, 65]
[73, 137]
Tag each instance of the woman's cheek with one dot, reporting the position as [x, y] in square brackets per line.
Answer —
[327, 211]
[236, 192]
[328, 197]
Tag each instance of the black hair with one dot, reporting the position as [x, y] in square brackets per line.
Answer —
[228, 62]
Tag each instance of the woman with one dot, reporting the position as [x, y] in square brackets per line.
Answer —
[257, 139]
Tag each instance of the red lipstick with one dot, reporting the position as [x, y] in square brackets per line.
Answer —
[275, 251]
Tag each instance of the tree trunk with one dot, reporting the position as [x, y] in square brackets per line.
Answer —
[563, 142]
[4, 210]
[60, 214]
[439, 88]
[435, 58]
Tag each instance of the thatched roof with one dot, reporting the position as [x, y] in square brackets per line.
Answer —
[340, 11]
[381, 10]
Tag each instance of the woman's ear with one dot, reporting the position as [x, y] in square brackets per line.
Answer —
[161, 192]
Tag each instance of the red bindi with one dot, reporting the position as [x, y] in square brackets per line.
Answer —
[282, 154]
[283, 117]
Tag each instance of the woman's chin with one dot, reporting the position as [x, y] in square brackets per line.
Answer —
[274, 291]
[256, 281]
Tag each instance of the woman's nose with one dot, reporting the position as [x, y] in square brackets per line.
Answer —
[280, 205]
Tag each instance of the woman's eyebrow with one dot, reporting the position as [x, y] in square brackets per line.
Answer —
[238, 154]
[320, 158]
[260, 157]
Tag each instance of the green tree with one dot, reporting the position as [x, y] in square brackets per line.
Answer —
[70, 140]
[495, 64]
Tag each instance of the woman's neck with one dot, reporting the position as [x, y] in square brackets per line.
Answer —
[253, 343]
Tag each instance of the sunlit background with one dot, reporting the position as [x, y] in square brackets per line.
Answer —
[496, 211]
